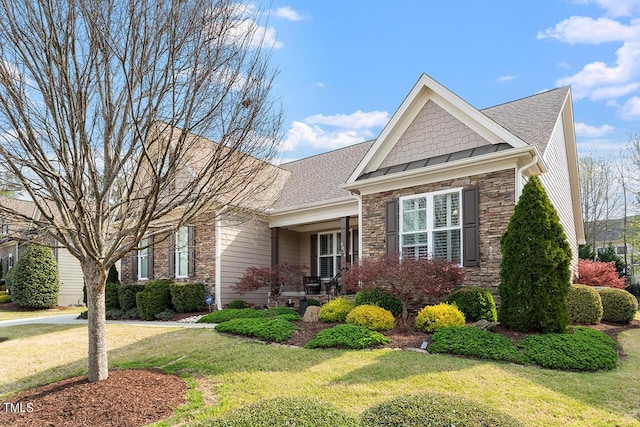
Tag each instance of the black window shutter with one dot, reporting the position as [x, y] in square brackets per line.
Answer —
[134, 265]
[314, 255]
[192, 252]
[150, 258]
[172, 255]
[470, 227]
[392, 226]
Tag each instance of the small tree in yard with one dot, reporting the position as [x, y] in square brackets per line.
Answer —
[407, 278]
[275, 278]
[534, 272]
[596, 273]
[34, 281]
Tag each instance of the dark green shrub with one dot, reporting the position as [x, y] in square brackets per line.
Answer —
[283, 411]
[335, 310]
[155, 298]
[434, 317]
[165, 315]
[583, 349]
[34, 281]
[273, 330]
[187, 297]
[633, 289]
[371, 317]
[534, 271]
[84, 315]
[618, 305]
[347, 336]
[227, 314]
[471, 341]
[127, 295]
[238, 303]
[584, 305]
[313, 302]
[111, 301]
[433, 410]
[112, 275]
[475, 303]
[380, 298]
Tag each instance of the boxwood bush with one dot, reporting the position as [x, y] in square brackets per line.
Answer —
[127, 295]
[434, 317]
[335, 310]
[111, 301]
[273, 330]
[284, 411]
[618, 305]
[380, 298]
[4, 297]
[238, 303]
[471, 341]
[34, 280]
[154, 299]
[347, 336]
[584, 305]
[371, 317]
[475, 303]
[187, 297]
[433, 410]
[227, 314]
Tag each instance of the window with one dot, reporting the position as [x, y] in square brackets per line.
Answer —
[143, 260]
[182, 252]
[330, 252]
[9, 262]
[431, 226]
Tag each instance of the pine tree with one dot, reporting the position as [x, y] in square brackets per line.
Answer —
[534, 272]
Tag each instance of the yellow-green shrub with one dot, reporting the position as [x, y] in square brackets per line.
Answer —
[618, 305]
[433, 317]
[4, 297]
[584, 305]
[335, 310]
[372, 317]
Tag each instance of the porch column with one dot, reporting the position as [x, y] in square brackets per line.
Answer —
[275, 246]
[344, 241]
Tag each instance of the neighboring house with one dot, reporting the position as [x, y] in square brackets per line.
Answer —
[442, 180]
[11, 248]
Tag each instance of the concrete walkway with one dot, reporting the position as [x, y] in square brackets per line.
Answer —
[72, 319]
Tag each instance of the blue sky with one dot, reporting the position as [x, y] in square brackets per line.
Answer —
[345, 66]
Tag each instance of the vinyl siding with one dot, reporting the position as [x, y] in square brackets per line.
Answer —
[71, 280]
[290, 248]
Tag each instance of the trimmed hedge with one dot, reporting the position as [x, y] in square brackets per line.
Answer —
[335, 310]
[284, 411]
[475, 303]
[584, 305]
[34, 281]
[347, 336]
[111, 301]
[471, 341]
[127, 295]
[618, 305]
[380, 298]
[154, 299]
[433, 410]
[371, 317]
[187, 297]
[227, 314]
[238, 303]
[273, 330]
[434, 317]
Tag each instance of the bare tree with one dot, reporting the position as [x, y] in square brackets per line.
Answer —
[104, 110]
[598, 195]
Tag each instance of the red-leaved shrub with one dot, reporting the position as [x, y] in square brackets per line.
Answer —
[274, 278]
[596, 273]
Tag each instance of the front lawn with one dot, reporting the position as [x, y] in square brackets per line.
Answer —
[10, 311]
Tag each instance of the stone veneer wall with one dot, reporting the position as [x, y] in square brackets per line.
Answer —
[497, 201]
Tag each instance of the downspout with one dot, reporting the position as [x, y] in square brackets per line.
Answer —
[360, 233]
[218, 251]
[519, 176]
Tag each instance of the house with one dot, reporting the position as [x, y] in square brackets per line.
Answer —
[441, 180]
[11, 248]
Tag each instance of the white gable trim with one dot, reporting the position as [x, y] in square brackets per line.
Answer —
[424, 90]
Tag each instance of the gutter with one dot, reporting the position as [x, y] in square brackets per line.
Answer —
[519, 171]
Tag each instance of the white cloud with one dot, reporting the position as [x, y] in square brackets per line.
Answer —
[320, 85]
[505, 78]
[616, 8]
[582, 29]
[631, 109]
[288, 13]
[612, 92]
[357, 120]
[588, 131]
[563, 64]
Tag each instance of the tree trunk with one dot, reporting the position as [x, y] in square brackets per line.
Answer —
[95, 277]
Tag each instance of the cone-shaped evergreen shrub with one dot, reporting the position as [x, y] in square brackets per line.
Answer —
[534, 272]
[34, 281]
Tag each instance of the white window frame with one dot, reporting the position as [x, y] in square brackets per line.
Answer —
[336, 254]
[430, 227]
[143, 273]
[182, 250]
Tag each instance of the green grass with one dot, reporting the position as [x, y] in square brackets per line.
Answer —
[227, 373]
[6, 314]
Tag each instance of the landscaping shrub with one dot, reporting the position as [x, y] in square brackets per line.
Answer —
[127, 295]
[112, 275]
[335, 310]
[471, 341]
[4, 297]
[618, 305]
[246, 313]
[187, 297]
[377, 296]
[633, 289]
[371, 317]
[34, 281]
[165, 315]
[597, 273]
[281, 411]
[534, 271]
[583, 349]
[132, 313]
[238, 303]
[434, 317]
[275, 330]
[433, 410]
[111, 301]
[475, 303]
[313, 302]
[347, 336]
[584, 305]
[155, 298]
